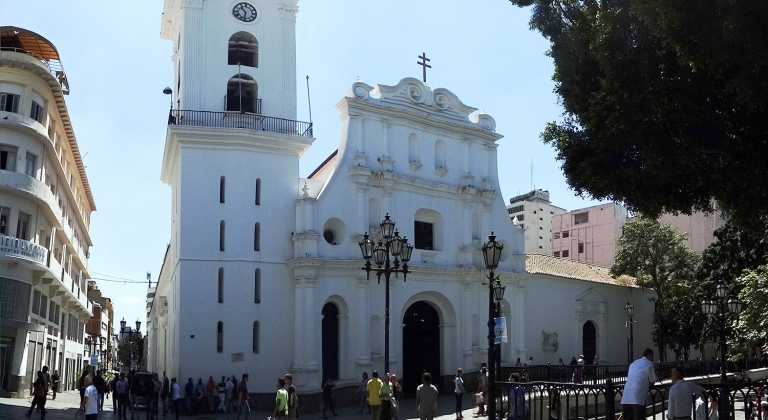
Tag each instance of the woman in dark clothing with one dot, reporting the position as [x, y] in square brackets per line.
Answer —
[38, 398]
[328, 397]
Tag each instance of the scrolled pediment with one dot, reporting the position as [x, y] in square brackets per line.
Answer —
[412, 94]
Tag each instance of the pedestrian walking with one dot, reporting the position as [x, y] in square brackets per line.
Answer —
[242, 398]
[121, 394]
[175, 393]
[90, 403]
[231, 394]
[373, 387]
[328, 397]
[164, 393]
[426, 398]
[640, 376]
[153, 389]
[189, 395]
[362, 393]
[221, 390]
[516, 399]
[55, 380]
[281, 401]
[38, 395]
[458, 391]
[100, 385]
[293, 397]
[482, 388]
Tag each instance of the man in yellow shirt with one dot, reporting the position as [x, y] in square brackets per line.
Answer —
[373, 387]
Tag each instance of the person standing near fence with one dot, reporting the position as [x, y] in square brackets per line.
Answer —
[681, 396]
[639, 379]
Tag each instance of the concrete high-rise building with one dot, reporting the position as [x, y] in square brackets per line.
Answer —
[700, 227]
[533, 213]
[45, 213]
[589, 235]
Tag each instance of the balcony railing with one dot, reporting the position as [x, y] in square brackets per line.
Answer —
[239, 103]
[248, 121]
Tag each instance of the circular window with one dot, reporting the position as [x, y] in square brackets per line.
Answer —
[334, 230]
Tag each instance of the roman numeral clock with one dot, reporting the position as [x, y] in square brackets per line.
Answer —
[244, 11]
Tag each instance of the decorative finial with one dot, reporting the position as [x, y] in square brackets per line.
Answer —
[305, 189]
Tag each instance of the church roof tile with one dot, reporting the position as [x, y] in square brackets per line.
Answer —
[564, 267]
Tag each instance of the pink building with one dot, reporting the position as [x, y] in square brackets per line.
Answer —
[699, 226]
[588, 235]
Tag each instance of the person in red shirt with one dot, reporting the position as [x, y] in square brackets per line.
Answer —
[242, 398]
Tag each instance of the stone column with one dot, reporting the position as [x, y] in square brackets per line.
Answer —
[522, 351]
[288, 29]
[311, 324]
[193, 41]
[363, 323]
[298, 329]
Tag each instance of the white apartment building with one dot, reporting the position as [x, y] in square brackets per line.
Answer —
[45, 211]
[532, 212]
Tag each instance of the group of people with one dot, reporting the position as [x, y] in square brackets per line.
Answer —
[228, 396]
[287, 399]
[380, 396]
[43, 383]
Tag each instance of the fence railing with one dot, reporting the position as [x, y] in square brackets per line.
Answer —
[597, 374]
[570, 401]
[219, 119]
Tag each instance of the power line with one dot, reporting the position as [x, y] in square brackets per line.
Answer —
[120, 280]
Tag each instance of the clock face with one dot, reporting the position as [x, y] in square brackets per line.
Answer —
[244, 11]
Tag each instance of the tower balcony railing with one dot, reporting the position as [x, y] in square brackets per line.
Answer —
[237, 119]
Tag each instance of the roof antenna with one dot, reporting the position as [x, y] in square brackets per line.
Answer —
[531, 174]
[149, 279]
[309, 102]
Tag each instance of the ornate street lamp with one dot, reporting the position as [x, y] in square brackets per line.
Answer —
[630, 311]
[719, 308]
[391, 245]
[492, 255]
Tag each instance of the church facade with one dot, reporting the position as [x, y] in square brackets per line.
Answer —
[263, 274]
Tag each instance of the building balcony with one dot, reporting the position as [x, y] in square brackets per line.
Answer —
[236, 119]
[20, 249]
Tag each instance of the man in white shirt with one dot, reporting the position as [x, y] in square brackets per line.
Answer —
[639, 379]
[90, 404]
[681, 396]
[175, 396]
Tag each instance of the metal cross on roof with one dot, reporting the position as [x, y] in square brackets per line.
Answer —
[424, 65]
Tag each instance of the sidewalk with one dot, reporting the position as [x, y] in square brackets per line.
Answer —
[65, 405]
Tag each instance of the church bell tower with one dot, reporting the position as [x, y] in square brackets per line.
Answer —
[233, 55]
[231, 160]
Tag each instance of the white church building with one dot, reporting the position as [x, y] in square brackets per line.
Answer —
[263, 270]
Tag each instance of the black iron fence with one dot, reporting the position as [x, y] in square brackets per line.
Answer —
[598, 374]
[236, 119]
[571, 401]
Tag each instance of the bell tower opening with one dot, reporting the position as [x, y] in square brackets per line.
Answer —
[242, 94]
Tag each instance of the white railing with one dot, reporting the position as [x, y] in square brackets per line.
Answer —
[23, 249]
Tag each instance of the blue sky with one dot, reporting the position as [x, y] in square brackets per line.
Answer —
[117, 66]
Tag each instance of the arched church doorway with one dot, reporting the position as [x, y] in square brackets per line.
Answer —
[330, 332]
[421, 345]
[589, 342]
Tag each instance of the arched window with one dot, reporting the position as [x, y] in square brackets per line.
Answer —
[258, 191]
[256, 328]
[222, 184]
[257, 286]
[440, 155]
[242, 94]
[220, 337]
[414, 151]
[257, 236]
[221, 235]
[243, 50]
[221, 284]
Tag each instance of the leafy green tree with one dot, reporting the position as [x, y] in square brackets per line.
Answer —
[750, 328]
[683, 323]
[131, 344]
[737, 251]
[656, 256]
[666, 102]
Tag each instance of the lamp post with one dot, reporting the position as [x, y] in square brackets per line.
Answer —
[491, 255]
[719, 308]
[398, 248]
[630, 310]
[130, 339]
